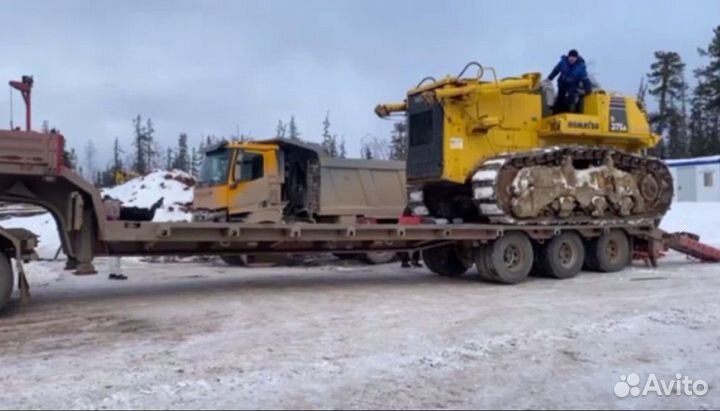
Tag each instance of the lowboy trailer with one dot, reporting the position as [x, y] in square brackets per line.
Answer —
[32, 171]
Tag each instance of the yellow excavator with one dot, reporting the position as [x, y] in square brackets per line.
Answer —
[483, 149]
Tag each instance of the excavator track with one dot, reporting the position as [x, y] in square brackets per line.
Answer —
[572, 185]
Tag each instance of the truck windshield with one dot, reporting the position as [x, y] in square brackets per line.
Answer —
[214, 169]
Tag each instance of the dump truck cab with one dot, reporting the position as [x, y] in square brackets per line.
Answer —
[287, 180]
[240, 179]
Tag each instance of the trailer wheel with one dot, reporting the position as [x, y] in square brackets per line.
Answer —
[7, 280]
[378, 257]
[608, 253]
[234, 260]
[445, 261]
[481, 262]
[510, 259]
[562, 257]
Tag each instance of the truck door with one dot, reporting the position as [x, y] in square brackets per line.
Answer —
[250, 190]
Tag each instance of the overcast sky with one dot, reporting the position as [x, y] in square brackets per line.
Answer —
[210, 67]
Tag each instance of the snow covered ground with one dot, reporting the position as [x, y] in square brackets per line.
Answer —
[190, 335]
[204, 335]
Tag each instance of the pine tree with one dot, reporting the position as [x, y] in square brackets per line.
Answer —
[107, 177]
[667, 82]
[169, 159]
[329, 141]
[342, 152]
[702, 142]
[46, 127]
[145, 150]
[293, 132]
[117, 164]
[366, 152]
[281, 129]
[194, 162]
[140, 164]
[707, 96]
[158, 158]
[197, 157]
[154, 151]
[182, 162]
[399, 141]
[678, 136]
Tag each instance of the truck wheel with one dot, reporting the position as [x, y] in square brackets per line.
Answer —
[562, 257]
[481, 262]
[608, 253]
[345, 256]
[511, 258]
[234, 260]
[445, 261]
[7, 280]
[378, 257]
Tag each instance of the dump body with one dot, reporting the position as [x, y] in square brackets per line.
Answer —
[361, 188]
[282, 180]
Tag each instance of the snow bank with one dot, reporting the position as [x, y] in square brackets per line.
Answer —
[174, 186]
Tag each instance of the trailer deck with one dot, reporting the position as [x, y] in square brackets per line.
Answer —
[32, 172]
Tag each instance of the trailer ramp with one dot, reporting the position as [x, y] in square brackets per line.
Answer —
[690, 245]
[659, 242]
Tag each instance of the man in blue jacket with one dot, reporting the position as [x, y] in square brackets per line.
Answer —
[572, 71]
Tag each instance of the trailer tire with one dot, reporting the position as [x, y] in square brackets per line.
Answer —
[562, 257]
[378, 257]
[7, 280]
[234, 260]
[481, 256]
[445, 261]
[510, 258]
[608, 253]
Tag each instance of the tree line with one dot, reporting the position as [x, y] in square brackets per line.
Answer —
[687, 118]
[144, 153]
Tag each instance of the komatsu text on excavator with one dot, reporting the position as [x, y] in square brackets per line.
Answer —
[484, 149]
